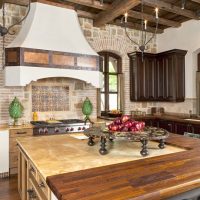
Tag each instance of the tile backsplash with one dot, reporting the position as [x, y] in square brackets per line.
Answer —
[50, 98]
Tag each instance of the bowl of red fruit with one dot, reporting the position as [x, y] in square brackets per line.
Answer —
[125, 124]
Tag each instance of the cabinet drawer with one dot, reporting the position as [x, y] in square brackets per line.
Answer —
[32, 192]
[21, 132]
[40, 189]
[43, 186]
[32, 170]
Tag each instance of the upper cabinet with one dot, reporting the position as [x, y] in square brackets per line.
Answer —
[157, 77]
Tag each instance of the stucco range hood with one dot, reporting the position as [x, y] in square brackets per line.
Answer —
[51, 44]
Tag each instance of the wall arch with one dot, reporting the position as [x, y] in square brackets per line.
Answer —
[113, 39]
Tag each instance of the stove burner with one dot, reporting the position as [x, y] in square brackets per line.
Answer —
[71, 121]
[63, 126]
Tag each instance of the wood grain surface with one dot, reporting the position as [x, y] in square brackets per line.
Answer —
[154, 178]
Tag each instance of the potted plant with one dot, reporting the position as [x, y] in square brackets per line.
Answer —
[15, 110]
[87, 109]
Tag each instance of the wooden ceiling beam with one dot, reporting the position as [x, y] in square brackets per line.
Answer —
[85, 14]
[117, 8]
[1, 3]
[139, 15]
[89, 3]
[196, 1]
[17, 2]
[137, 26]
[171, 8]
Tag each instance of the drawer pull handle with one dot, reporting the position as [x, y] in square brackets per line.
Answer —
[32, 170]
[21, 133]
[41, 185]
[32, 194]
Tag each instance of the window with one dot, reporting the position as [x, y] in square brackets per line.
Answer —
[110, 93]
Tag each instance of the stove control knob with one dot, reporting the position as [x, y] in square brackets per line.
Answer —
[83, 128]
[41, 131]
[56, 130]
[79, 128]
[71, 129]
[46, 130]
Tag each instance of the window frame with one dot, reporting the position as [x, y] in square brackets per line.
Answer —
[106, 73]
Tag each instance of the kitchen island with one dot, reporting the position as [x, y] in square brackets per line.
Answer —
[63, 167]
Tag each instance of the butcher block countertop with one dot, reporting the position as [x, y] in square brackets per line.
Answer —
[152, 178]
[75, 171]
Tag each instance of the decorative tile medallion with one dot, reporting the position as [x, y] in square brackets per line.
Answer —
[50, 98]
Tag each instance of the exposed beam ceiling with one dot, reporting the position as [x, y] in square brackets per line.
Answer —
[171, 8]
[139, 15]
[117, 8]
[109, 12]
[117, 22]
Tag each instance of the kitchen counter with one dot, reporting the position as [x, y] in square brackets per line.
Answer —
[152, 178]
[74, 170]
[7, 127]
[177, 118]
[64, 153]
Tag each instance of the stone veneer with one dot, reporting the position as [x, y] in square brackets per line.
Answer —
[108, 38]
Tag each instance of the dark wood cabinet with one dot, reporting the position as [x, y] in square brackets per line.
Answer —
[157, 77]
[172, 126]
[181, 128]
[167, 125]
[151, 122]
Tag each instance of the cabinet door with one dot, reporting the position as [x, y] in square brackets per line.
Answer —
[22, 175]
[141, 73]
[169, 82]
[167, 125]
[150, 77]
[133, 79]
[142, 77]
[179, 75]
[195, 128]
[160, 70]
[150, 122]
[181, 128]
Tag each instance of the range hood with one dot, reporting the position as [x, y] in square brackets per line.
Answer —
[51, 44]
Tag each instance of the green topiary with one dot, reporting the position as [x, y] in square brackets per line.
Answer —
[87, 109]
[15, 109]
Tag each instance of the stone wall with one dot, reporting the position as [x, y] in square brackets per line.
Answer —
[108, 38]
[113, 38]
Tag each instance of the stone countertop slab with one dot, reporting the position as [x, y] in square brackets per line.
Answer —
[60, 154]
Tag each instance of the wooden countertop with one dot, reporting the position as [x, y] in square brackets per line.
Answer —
[154, 178]
[7, 127]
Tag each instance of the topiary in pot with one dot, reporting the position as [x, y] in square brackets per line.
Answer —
[87, 109]
[15, 110]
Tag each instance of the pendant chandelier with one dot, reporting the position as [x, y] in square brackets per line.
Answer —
[142, 45]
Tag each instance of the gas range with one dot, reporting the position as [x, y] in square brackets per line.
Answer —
[59, 126]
